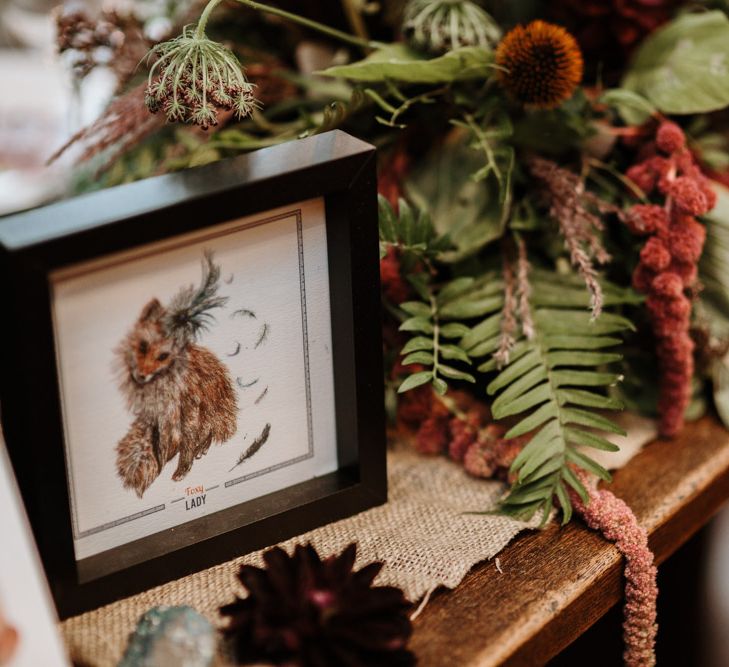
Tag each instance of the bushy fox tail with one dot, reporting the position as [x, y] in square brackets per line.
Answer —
[136, 462]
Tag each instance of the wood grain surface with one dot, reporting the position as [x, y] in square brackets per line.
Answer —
[556, 583]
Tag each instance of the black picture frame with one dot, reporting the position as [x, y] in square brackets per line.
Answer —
[335, 166]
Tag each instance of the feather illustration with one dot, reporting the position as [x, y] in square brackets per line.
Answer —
[236, 352]
[263, 336]
[243, 312]
[189, 311]
[254, 447]
[262, 396]
[244, 385]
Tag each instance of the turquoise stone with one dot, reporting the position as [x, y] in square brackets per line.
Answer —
[171, 637]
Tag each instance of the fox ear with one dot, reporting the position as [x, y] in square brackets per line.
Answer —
[152, 311]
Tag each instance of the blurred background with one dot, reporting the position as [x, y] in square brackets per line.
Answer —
[49, 96]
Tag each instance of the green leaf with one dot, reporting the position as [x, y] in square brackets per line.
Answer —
[564, 503]
[537, 418]
[683, 67]
[455, 288]
[481, 332]
[576, 484]
[454, 330]
[584, 378]
[415, 380]
[420, 324]
[575, 322]
[551, 449]
[546, 434]
[590, 419]
[469, 212]
[633, 108]
[574, 358]
[398, 62]
[455, 374]
[514, 370]
[465, 308]
[530, 399]
[587, 439]
[440, 386]
[417, 308]
[487, 347]
[417, 343]
[588, 464]
[454, 352]
[588, 399]
[425, 358]
[566, 342]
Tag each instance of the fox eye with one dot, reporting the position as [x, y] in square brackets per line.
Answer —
[143, 347]
[164, 356]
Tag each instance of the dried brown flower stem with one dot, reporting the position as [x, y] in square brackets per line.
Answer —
[524, 289]
[508, 315]
[577, 211]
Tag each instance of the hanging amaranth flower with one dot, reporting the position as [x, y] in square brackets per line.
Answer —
[195, 78]
[436, 26]
[540, 64]
[302, 611]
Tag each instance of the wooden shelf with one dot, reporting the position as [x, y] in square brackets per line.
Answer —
[558, 582]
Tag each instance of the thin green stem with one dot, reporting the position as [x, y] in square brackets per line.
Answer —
[294, 18]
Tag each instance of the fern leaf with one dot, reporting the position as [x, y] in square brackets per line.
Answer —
[553, 385]
[410, 230]
[437, 344]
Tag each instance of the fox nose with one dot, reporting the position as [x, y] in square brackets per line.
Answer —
[142, 378]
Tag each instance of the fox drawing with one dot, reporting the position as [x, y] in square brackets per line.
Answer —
[180, 394]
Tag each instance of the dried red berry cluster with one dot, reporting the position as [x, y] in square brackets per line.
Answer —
[483, 451]
[668, 266]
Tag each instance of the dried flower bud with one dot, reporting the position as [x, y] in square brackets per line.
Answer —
[647, 219]
[194, 78]
[688, 195]
[435, 26]
[687, 240]
[655, 255]
[670, 137]
[668, 284]
[643, 176]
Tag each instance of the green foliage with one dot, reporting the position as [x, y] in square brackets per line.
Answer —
[553, 384]
[398, 62]
[714, 300]
[410, 230]
[436, 323]
[634, 109]
[466, 186]
[683, 67]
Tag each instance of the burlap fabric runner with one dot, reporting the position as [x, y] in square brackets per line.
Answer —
[423, 535]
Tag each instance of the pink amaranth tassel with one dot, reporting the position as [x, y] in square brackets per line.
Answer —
[612, 517]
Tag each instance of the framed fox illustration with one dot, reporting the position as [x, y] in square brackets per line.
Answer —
[191, 365]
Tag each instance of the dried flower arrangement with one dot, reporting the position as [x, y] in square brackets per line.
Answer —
[552, 218]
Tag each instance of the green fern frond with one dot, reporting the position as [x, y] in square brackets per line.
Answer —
[553, 383]
[437, 324]
[411, 230]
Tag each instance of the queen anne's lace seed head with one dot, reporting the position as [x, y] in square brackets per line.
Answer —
[194, 78]
[435, 26]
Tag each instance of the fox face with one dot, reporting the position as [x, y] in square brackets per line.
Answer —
[150, 351]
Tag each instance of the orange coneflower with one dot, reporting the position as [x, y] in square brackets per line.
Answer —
[540, 64]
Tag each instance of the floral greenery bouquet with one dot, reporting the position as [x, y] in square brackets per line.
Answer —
[554, 229]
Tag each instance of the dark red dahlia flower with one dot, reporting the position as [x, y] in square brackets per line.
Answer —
[302, 611]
